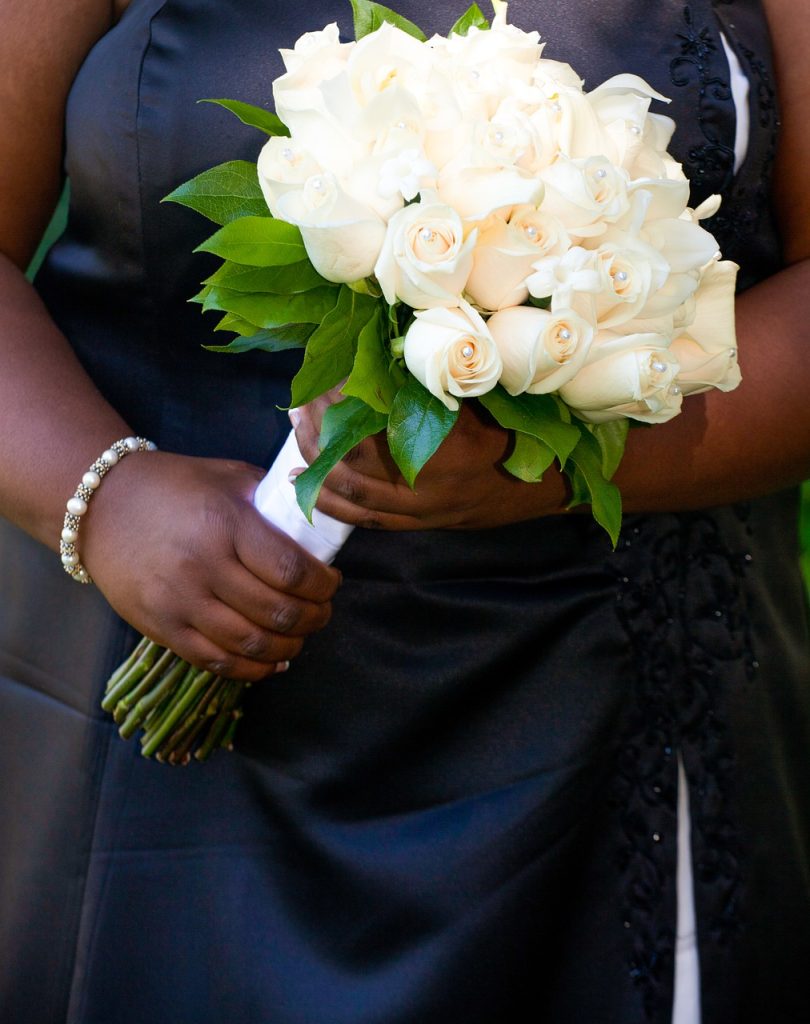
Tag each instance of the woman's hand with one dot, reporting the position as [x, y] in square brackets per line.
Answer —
[179, 551]
[463, 486]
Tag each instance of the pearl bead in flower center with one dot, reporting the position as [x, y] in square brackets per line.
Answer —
[621, 275]
[468, 351]
[565, 334]
[531, 232]
[317, 184]
[288, 154]
[658, 365]
[427, 235]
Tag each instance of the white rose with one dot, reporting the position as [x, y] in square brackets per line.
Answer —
[283, 165]
[684, 245]
[632, 376]
[317, 56]
[585, 194]
[707, 349]
[342, 237]
[321, 118]
[540, 350]
[385, 59]
[477, 191]
[452, 353]
[631, 271]
[424, 260]
[505, 254]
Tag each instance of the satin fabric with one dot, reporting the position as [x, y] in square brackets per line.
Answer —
[463, 794]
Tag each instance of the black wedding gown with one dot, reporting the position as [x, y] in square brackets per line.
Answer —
[462, 797]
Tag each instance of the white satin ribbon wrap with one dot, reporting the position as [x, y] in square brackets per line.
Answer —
[275, 499]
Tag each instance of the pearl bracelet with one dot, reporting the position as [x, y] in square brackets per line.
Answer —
[77, 505]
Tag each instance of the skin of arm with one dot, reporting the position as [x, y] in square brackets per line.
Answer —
[173, 541]
[721, 448]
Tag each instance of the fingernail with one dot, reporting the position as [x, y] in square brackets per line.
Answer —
[295, 417]
[295, 473]
[282, 666]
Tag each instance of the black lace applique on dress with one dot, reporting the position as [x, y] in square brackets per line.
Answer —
[701, 66]
[691, 646]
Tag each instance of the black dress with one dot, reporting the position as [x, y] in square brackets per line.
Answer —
[463, 794]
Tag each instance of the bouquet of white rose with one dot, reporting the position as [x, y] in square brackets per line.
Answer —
[441, 219]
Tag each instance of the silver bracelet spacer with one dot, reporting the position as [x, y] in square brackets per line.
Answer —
[77, 505]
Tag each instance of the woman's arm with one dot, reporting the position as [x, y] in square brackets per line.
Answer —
[173, 542]
[722, 448]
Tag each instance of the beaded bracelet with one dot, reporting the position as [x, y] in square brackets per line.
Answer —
[77, 505]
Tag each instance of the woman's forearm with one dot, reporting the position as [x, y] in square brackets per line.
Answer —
[53, 420]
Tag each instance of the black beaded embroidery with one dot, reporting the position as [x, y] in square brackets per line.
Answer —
[709, 164]
[681, 601]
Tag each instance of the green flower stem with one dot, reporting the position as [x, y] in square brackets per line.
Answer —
[224, 724]
[178, 708]
[125, 666]
[149, 700]
[132, 677]
[153, 678]
[206, 706]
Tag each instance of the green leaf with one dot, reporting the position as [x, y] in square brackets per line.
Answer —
[271, 311]
[223, 193]
[287, 280]
[530, 458]
[612, 437]
[278, 340]
[344, 426]
[473, 16]
[418, 424]
[537, 415]
[369, 16]
[330, 351]
[589, 484]
[256, 117]
[370, 379]
[257, 242]
[230, 322]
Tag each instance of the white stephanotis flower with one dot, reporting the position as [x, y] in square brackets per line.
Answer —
[541, 351]
[563, 277]
[452, 353]
[283, 165]
[342, 237]
[425, 260]
[506, 251]
[626, 376]
[406, 174]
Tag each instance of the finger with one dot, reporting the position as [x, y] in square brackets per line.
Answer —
[281, 563]
[333, 504]
[307, 432]
[240, 638]
[200, 651]
[266, 608]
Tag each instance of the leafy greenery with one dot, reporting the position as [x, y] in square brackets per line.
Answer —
[418, 424]
[536, 415]
[269, 311]
[530, 458]
[257, 242]
[344, 426]
[223, 193]
[374, 378]
[590, 486]
[472, 17]
[330, 351]
[611, 437]
[255, 117]
[368, 17]
[290, 279]
[278, 340]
